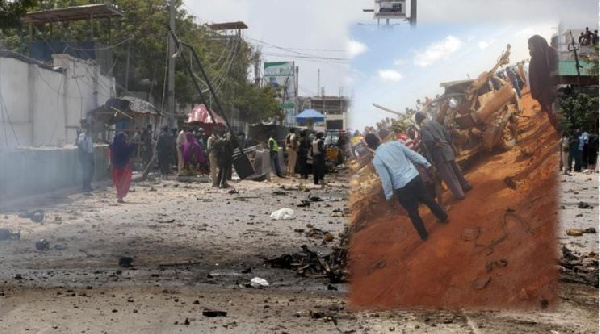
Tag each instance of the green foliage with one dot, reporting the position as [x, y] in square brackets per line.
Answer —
[142, 34]
[579, 112]
[11, 11]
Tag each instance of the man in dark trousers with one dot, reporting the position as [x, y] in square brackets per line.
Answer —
[274, 152]
[164, 149]
[394, 164]
[147, 145]
[318, 157]
[85, 146]
[438, 143]
[224, 150]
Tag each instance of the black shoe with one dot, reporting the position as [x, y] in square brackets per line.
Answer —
[423, 236]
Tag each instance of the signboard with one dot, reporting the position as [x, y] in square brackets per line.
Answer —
[390, 9]
[281, 76]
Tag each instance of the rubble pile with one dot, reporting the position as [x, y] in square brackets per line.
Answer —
[579, 269]
[308, 263]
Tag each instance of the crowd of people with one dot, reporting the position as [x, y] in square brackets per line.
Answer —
[414, 164]
[579, 151]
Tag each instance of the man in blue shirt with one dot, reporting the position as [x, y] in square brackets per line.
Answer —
[394, 164]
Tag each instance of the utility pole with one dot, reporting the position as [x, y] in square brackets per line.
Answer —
[171, 70]
[128, 63]
[257, 68]
[413, 13]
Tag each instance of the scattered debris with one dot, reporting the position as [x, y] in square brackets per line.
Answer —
[584, 205]
[589, 230]
[511, 183]
[60, 247]
[258, 283]
[214, 313]
[126, 262]
[481, 283]
[575, 232]
[579, 269]
[283, 214]
[6, 234]
[332, 266]
[42, 245]
[36, 215]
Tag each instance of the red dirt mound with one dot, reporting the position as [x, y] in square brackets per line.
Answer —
[497, 251]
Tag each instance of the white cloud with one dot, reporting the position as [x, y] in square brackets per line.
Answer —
[527, 32]
[390, 75]
[356, 48]
[485, 44]
[436, 51]
[399, 61]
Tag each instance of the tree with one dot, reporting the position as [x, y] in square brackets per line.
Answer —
[141, 35]
[11, 12]
[579, 112]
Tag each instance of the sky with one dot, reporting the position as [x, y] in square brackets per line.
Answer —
[337, 38]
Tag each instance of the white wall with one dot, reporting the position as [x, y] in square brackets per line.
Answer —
[45, 106]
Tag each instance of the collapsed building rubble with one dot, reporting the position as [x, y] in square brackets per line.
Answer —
[581, 269]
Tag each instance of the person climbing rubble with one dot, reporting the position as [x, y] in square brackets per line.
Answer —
[394, 165]
[438, 144]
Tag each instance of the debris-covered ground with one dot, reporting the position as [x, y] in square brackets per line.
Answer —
[179, 258]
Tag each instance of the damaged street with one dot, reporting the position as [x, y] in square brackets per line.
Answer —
[181, 257]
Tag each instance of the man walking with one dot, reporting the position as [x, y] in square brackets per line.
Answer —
[291, 145]
[438, 144]
[213, 157]
[164, 149]
[85, 146]
[318, 157]
[394, 164]
[147, 144]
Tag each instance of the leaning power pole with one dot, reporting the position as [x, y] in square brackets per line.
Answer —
[171, 70]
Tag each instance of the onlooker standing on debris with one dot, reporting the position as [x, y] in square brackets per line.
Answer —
[394, 163]
[225, 158]
[85, 146]
[274, 151]
[543, 69]
[438, 144]
[318, 157]
[213, 158]
[583, 149]
[564, 153]
[181, 139]
[512, 76]
[193, 154]
[147, 144]
[164, 149]
[303, 149]
[120, 155]
[574, 155]
[291, 145]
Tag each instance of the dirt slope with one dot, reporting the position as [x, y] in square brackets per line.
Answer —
[392, 267]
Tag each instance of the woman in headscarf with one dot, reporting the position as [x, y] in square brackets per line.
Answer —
[192, 151]
[120, 155]
[542, 75]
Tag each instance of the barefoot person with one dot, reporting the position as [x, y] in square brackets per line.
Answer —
[120, 155]
[394, 163]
